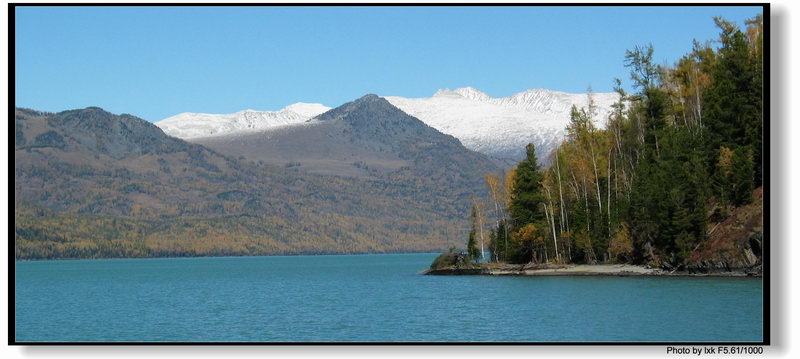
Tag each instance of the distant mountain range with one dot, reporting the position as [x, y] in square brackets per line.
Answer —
[91, 184]
[193, 125]
[498, 127]
[501, 127]
[367, 138]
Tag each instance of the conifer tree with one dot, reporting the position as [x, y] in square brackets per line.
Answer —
[473, 252]
[734, 100]
[501, 249]
[527, 197]
[722, 176]
[742, 176]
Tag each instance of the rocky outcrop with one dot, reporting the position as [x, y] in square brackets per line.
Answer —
[735, 243]
[457, 271]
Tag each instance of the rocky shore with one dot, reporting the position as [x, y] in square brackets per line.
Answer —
[620, 270]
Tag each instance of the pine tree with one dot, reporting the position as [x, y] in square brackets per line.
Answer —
[722, 175]
[500, 248]
[754, 132]
[655, 102]
[734, 100]
[473, 252]
[527, 198]
[742, 176]
[684, 245]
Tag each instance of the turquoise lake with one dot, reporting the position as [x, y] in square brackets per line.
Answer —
[366, 298]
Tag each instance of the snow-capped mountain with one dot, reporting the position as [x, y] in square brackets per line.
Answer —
[195, 125]
[498, 127]
[501, 127]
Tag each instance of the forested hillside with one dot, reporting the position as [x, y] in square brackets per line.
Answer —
[679, 156]
[90, 184]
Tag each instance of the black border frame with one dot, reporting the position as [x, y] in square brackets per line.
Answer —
[766, 338]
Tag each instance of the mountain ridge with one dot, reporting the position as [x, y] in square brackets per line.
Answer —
[501, 127]
[188, 125]
[367, 137]
[498, 127]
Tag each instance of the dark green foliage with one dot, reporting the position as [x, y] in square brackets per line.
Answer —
[719, 215]
[525, 208]
[502, 246]
[722, 178]
[523, 252]
[668, 200]
[526, 196]
[584, 249]
[742, 175]
[685, 243]
[473, 252]
[644, 73]
[653, 101]
[735, 176]
[451, 258]
[656, 107]
[733, 103]
[49, 139]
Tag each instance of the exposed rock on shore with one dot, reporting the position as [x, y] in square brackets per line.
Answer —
[736, 243]
[621, 270]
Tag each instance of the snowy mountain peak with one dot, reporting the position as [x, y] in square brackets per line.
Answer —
[189, 125]
[306, 109]
[473, 94]
[501, 127]
[465, 92]
[445, 93]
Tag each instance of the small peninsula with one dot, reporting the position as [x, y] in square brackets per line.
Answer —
[616, 270]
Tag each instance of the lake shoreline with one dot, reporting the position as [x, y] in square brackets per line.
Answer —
[615, 270]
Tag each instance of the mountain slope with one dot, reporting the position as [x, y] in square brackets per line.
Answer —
[90, 184]
[367, 138]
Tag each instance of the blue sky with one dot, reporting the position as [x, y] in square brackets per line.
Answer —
[154, 62]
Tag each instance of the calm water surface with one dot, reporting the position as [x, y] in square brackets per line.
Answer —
[366, 298]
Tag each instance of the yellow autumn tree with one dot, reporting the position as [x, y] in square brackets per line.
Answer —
[620, 248]
[530, 244]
